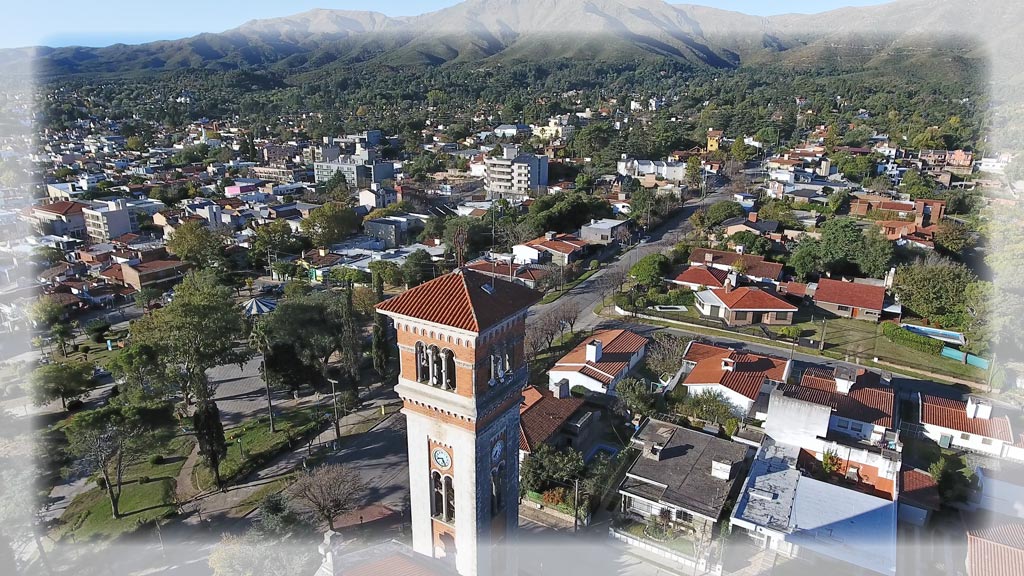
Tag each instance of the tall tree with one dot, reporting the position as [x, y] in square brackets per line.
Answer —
[636, 395]
[329, 224]
[66, 381]
[198, 244]
[841, 241]
[935, 288]
[875, 255]
[110, 440]
[379, 346]
[329, 491]
[209, 430]
[665, 353]
[201, 328]
[275, 237]
[417, 268]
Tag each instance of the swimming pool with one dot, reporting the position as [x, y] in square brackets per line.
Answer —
[936, 333]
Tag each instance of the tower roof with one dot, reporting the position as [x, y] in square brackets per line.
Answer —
[462, 299]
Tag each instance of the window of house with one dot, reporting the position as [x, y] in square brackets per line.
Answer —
[986, 441]
[855, 426]
[683, 516]
[844, 308]
[965, 436]
[843, 423]
[742, 315]
[782, 316]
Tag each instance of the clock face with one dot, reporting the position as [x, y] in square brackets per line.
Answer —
[497, 451]
[442, 458]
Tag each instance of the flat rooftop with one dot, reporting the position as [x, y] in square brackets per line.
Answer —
[831, 520]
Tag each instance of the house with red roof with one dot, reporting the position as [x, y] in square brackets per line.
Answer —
[741, 377]
[528, 275]
[996, 550]
[968, 425]
[556, 418]
[63, 218]
[918, 496]
[557, 248]
[850, 299]
[751, 266]
[743, 306]
[700, 277]
[601, 361]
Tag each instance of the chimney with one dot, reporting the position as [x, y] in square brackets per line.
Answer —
[559, 389]
[322, 252]
[708, 257]
[752, 216]
[978, 409]
[727, 286]
[549, 235]
[728, 364]
[721, 469]
[653, 450]
[594, 351]
[845, 377]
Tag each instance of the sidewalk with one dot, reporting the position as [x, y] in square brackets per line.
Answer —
[237, 500]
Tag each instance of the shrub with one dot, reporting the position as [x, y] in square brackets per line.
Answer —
[156, 459]
[96, 329]
[578, 391]
[732, 425]
[899, 335]
[791, 332]
[73, 405]
[554, 496]
[594, 265]
[143, 479]
[101, 483]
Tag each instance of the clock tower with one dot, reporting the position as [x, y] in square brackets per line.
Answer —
[463, 369]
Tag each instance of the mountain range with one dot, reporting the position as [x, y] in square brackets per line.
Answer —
[496, 31]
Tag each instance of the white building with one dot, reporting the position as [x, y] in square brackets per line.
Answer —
[513, 175]
[1002, 490]
[968, 425]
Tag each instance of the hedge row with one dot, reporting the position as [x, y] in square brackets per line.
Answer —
[899, 335]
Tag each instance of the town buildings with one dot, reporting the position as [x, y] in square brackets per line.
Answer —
[514, 175]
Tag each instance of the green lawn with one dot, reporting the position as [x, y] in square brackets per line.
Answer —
[98, 353]
[679, 543]
[258, 443]
[88, 517]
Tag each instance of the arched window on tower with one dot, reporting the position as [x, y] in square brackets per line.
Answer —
[449, 499]
[448, 370]
[422, 363]
[434, 366]
[437, 502]
[497, 489]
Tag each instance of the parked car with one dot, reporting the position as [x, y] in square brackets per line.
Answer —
[100, 372]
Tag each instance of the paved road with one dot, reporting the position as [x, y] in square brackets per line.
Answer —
[588, 293]
[382, 458]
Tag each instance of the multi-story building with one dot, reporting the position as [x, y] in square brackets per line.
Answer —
[63, 218]
[513, 175]
[107, 220]
[463, 370]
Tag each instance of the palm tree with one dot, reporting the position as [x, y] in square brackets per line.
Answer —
[259, 340]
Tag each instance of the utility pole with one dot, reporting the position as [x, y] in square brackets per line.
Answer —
[576, 507]
[821, 345]
[334, 401]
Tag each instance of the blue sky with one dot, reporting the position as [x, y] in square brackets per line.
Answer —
[103, 22]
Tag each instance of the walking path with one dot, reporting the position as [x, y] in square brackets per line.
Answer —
[237, 500]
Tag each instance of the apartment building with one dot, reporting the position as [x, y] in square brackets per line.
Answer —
[513, 175]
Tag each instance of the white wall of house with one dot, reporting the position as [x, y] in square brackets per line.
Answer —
[741, 402]
[974, 442]
[525, 254]
[857, 428]
[577, 379]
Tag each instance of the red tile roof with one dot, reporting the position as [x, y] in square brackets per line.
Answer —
[541, 415]
[996, 551]
[952, 414]
[752, 265]
[853, 294]
[617, 347]
[703, 276]
[64, 207]
[919, 489]
[749, 372]
[561, 243]
[868, 400]
[459, 300]
[747, 298]
[794, 288]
